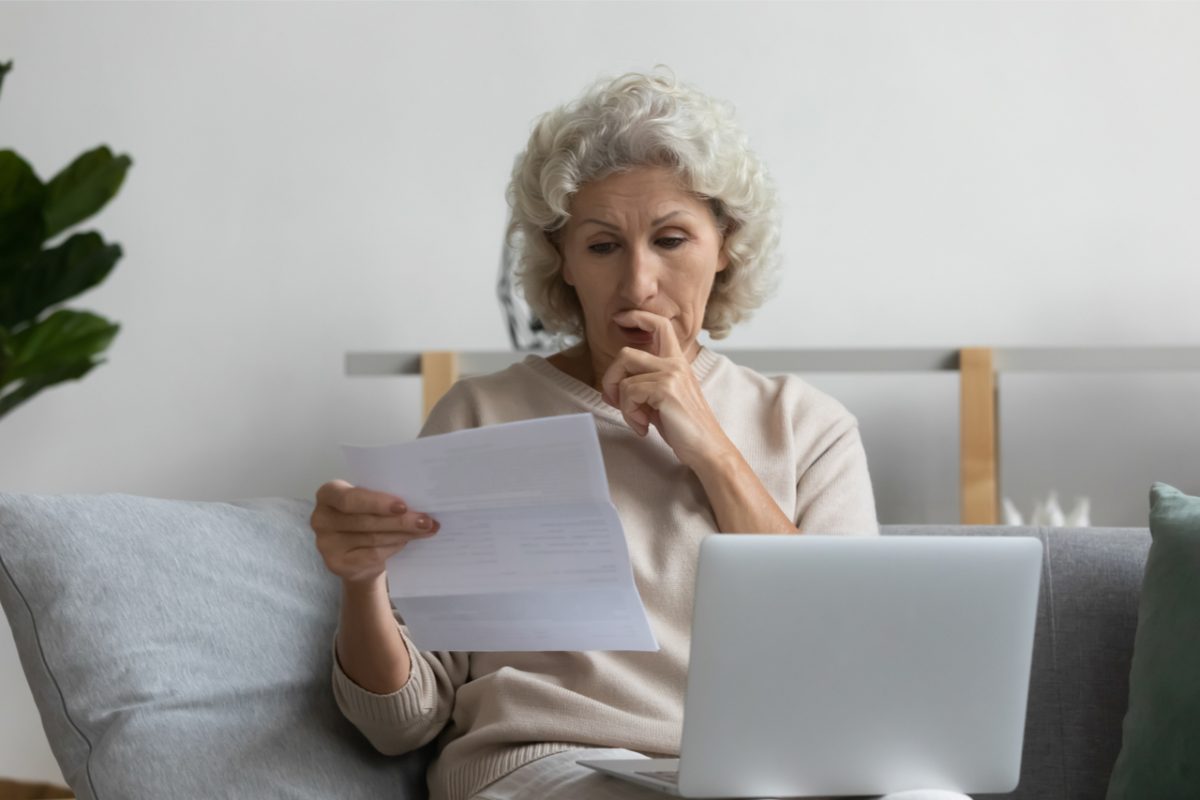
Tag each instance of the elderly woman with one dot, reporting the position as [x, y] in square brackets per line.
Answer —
[642, 219]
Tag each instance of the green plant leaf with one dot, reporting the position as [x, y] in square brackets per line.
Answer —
[6, 356]
[5, 68]
[35, 383]
[64, 337]
[22, 228]
[55, 275]
[83, 188]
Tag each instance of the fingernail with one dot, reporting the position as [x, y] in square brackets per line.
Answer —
[422, 522]
[398, 507]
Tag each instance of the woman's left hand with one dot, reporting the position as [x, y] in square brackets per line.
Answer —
[659, 388]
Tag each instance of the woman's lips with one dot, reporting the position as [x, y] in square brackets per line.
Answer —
[637, 335]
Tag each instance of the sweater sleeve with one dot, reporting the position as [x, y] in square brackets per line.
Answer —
[834, 495]
[414, 714]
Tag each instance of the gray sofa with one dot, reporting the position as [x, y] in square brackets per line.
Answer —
[1083, 647]
[182, 649]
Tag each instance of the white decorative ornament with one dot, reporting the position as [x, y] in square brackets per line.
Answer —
[1011, 515]
[1080, 515]
[1049, 514]
[1054, 513]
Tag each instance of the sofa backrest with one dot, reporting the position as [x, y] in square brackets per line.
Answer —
[1083, 645]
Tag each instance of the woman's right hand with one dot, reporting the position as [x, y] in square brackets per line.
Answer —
[357, 529]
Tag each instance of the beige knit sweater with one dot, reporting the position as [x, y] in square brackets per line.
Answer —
[493, 712]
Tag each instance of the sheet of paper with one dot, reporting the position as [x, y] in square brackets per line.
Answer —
[531, 554]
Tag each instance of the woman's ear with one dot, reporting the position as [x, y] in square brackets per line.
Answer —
[723, 253]
[555, 239]
[725, 226]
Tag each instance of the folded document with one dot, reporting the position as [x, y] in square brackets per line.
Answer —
[530, 555]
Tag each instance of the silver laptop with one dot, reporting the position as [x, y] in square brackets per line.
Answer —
[838, 665]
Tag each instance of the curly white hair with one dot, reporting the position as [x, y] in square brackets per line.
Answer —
[632, 121]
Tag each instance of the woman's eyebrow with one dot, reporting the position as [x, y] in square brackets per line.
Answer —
[599, 222]
[666, 217]
[658, 221]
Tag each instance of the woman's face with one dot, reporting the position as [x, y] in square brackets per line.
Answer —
[638, 240]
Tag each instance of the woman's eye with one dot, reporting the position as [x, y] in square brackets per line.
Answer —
[602, 247]
[671, 242]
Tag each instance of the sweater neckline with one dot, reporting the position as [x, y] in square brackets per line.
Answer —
[702, 367]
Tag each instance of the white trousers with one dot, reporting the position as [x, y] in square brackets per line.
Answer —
[558, 777]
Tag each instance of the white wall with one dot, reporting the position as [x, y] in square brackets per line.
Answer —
[313, 179]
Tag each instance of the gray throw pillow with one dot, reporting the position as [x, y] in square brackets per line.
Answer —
[182, 649]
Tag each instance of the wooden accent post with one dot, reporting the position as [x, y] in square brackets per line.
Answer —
[439, 371]
[977, 439]
[19, 790]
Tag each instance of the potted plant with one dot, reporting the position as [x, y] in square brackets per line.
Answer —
[40, 343]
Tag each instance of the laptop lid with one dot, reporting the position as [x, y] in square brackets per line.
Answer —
[838, 665]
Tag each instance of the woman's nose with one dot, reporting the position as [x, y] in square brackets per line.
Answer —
[640, 281]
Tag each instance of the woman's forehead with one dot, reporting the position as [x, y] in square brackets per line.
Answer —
[646, 193]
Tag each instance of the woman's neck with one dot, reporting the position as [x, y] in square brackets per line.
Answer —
[577, 362]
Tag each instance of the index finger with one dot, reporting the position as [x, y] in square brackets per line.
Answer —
[351, 499]
[666, 341]
[628, 362]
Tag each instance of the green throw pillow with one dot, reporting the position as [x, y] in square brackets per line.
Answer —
[1160, 745]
